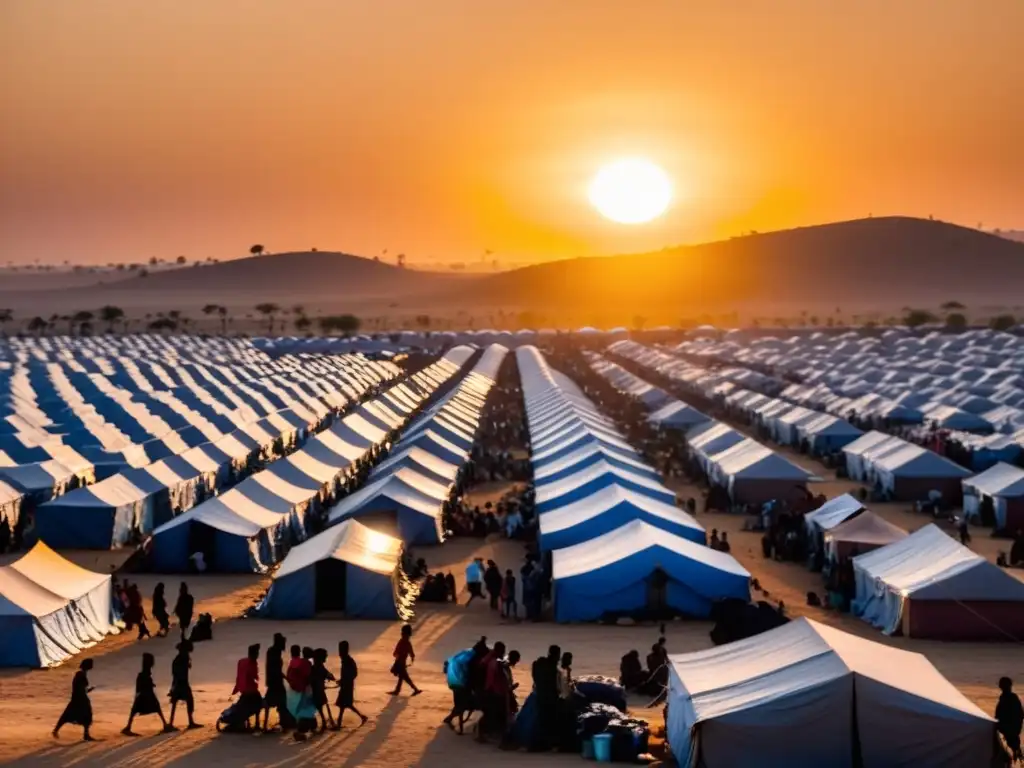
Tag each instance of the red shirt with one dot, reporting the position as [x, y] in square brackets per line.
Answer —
[247, 678]
[298, 674]
[403, 650]
[496, 681]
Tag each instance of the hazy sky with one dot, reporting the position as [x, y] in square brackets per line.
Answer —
[138, 128]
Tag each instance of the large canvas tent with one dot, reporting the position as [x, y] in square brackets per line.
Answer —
[640, 567]
[807, 695]
[928, 585]
[51, 609]
[349, 568]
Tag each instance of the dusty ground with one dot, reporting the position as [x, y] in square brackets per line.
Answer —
[402, 731]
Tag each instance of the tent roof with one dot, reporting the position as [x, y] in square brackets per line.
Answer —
[633, 538]
[866, 528]
[752, 460]
[834, 511]
[601, 501]
[1000, 480]
[57, 574]
[349, 541]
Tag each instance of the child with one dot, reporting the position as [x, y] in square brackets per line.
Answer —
[146, 702]
[404, 653]
[318, 687]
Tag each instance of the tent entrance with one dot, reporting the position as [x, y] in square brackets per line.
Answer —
[202, 538]
[331, 576]
[657, 595]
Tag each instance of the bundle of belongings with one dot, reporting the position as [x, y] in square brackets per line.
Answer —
[629, 734]
[737, 620]
[598, 705]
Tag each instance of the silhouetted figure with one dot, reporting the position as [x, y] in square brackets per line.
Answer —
[347, 684]
[184, 608]
[181, 688]
[79, 708]
[273, 674]
[1010, 717]
[247, 684]
[160, 610]
[146, 702]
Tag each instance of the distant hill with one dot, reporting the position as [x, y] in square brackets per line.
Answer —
[1011, 234]
[309, 274]
[868, 263]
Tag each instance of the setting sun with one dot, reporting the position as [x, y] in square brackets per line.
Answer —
[631, 191]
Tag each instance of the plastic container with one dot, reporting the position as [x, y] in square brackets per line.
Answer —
[587, 750]
[603, 747]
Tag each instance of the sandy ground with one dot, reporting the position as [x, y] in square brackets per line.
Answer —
[402, 731]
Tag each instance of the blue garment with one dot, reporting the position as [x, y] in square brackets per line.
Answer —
[474, 573]
[458, 669]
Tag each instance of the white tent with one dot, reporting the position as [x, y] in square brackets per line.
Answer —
[929, 567]
[806, 694]
[863, 533]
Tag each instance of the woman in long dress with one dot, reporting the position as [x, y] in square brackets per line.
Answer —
[160, 610]
[79, 709]
[146, 702]
[299, 693]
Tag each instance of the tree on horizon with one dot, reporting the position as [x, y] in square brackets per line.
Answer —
[82, 318]
[6, 315]
[256, 250]
[110, 315]
[37, 325]
[268, 310]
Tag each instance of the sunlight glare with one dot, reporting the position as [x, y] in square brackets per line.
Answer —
[631, 191]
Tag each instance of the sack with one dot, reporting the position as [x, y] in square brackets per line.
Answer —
[457, 669]
[396, 668]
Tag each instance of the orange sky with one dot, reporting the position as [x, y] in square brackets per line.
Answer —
[135, 128]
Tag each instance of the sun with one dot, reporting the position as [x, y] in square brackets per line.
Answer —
[631, 191]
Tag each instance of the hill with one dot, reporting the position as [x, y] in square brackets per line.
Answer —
[321, 279]
[867, 263]
[308, 274]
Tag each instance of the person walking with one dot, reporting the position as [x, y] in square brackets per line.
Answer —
[181, 689]
[347, 685]
[184, 608]
[404, 655]
[79, 708]
[160, 610]
[247, 684]
[146, 702]
[318, 680]
[475, 579]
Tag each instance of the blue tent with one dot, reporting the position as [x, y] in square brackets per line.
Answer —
[611, 574]
[348, 568]
[413, 500]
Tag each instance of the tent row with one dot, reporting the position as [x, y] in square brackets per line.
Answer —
[997, 492]
[140, 410]
[902, 470]
[619, 544]
[354, 567]
[406, 494]
[751, 472]
[51, 609]
[843, 527]
[128, 506]
[251, 526]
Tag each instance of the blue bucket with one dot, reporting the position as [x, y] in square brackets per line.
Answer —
[587, 751]
[603, 747]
